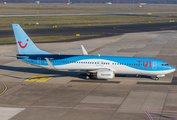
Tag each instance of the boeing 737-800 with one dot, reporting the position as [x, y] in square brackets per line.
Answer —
[105, 67]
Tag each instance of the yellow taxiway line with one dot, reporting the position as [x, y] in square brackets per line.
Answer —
[38, 79]
[5, 88]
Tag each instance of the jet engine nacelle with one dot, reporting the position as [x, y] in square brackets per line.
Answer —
[105, 74]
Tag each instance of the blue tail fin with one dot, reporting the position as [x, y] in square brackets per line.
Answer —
[24, 43]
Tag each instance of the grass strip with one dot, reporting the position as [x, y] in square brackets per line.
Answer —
[23, 8]
[8, 40]
[84, 20]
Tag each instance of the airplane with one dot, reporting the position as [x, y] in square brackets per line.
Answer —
[103, 67]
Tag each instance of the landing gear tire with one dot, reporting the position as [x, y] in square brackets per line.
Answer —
[156, 78]
[87, 77]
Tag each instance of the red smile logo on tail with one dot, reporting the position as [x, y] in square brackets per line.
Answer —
[19, 42]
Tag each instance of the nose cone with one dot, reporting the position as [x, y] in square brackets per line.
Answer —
[172, 68]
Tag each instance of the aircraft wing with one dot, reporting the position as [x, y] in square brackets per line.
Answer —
[74, 69]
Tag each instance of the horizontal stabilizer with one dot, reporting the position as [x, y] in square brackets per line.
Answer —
[7, 56]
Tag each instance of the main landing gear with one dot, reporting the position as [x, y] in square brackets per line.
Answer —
[156, 78]
[89, 75]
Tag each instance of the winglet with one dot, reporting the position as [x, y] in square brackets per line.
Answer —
[84, 50]
[50, 64]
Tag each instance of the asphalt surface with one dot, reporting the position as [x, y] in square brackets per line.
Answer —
[68, 96]
[109, 30]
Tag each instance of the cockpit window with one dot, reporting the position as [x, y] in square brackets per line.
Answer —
[164, 64]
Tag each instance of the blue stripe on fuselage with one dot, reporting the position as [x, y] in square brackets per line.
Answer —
[149, 63]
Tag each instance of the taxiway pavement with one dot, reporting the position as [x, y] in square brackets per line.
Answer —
[68, 96]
